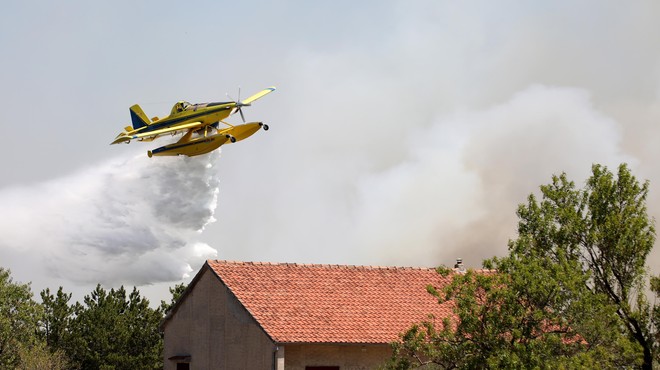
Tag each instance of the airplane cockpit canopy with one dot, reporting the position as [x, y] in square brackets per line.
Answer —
[180, 107]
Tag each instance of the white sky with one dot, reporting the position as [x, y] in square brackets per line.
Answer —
[402, 133]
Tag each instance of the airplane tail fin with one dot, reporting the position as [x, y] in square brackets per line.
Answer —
[138, 117]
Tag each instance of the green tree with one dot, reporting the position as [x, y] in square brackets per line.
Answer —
[57, 318]
[569, 294]
[523, 318]
[616, 237]
[606, 229]
[115, 330]
[19, 320]
[40, 357]
[655, 318]
[177, 292]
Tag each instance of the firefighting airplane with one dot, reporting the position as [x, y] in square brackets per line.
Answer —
[199, 119]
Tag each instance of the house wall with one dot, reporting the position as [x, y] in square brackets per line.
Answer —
[347, 357]
[212, 327]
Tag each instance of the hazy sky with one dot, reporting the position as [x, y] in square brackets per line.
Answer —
[402, 133]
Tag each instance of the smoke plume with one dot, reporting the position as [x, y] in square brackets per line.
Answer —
[435, 190]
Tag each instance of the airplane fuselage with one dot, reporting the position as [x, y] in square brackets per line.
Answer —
[207, 114]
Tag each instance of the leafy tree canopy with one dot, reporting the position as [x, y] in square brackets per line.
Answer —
[19, 320]
[569, 294]
[115, 330]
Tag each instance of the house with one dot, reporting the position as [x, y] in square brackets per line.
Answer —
[247, 315]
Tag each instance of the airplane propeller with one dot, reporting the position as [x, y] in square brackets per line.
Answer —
[239, 104]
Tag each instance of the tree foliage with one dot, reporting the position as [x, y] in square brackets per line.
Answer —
[19, 320]
[57, 318]
[177, 292]
[569, 294]
[655, 318]
[115, 330]
[39, 356]
[111, 329]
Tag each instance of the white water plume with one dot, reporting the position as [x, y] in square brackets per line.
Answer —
[131, 220]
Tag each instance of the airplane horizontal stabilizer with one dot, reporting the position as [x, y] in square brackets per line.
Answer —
[121, 139]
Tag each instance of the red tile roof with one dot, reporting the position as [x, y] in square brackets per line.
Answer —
[298, 303]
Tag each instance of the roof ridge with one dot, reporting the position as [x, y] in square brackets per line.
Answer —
[325, 265]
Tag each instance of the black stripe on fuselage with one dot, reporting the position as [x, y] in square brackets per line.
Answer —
[221, 103]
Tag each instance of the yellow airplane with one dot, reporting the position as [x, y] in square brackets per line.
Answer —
[197, 121]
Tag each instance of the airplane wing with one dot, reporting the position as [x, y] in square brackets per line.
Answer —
[123, 137]
[258, 95]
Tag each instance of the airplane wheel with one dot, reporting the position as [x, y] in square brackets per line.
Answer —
[266, 127]
[232, 139]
